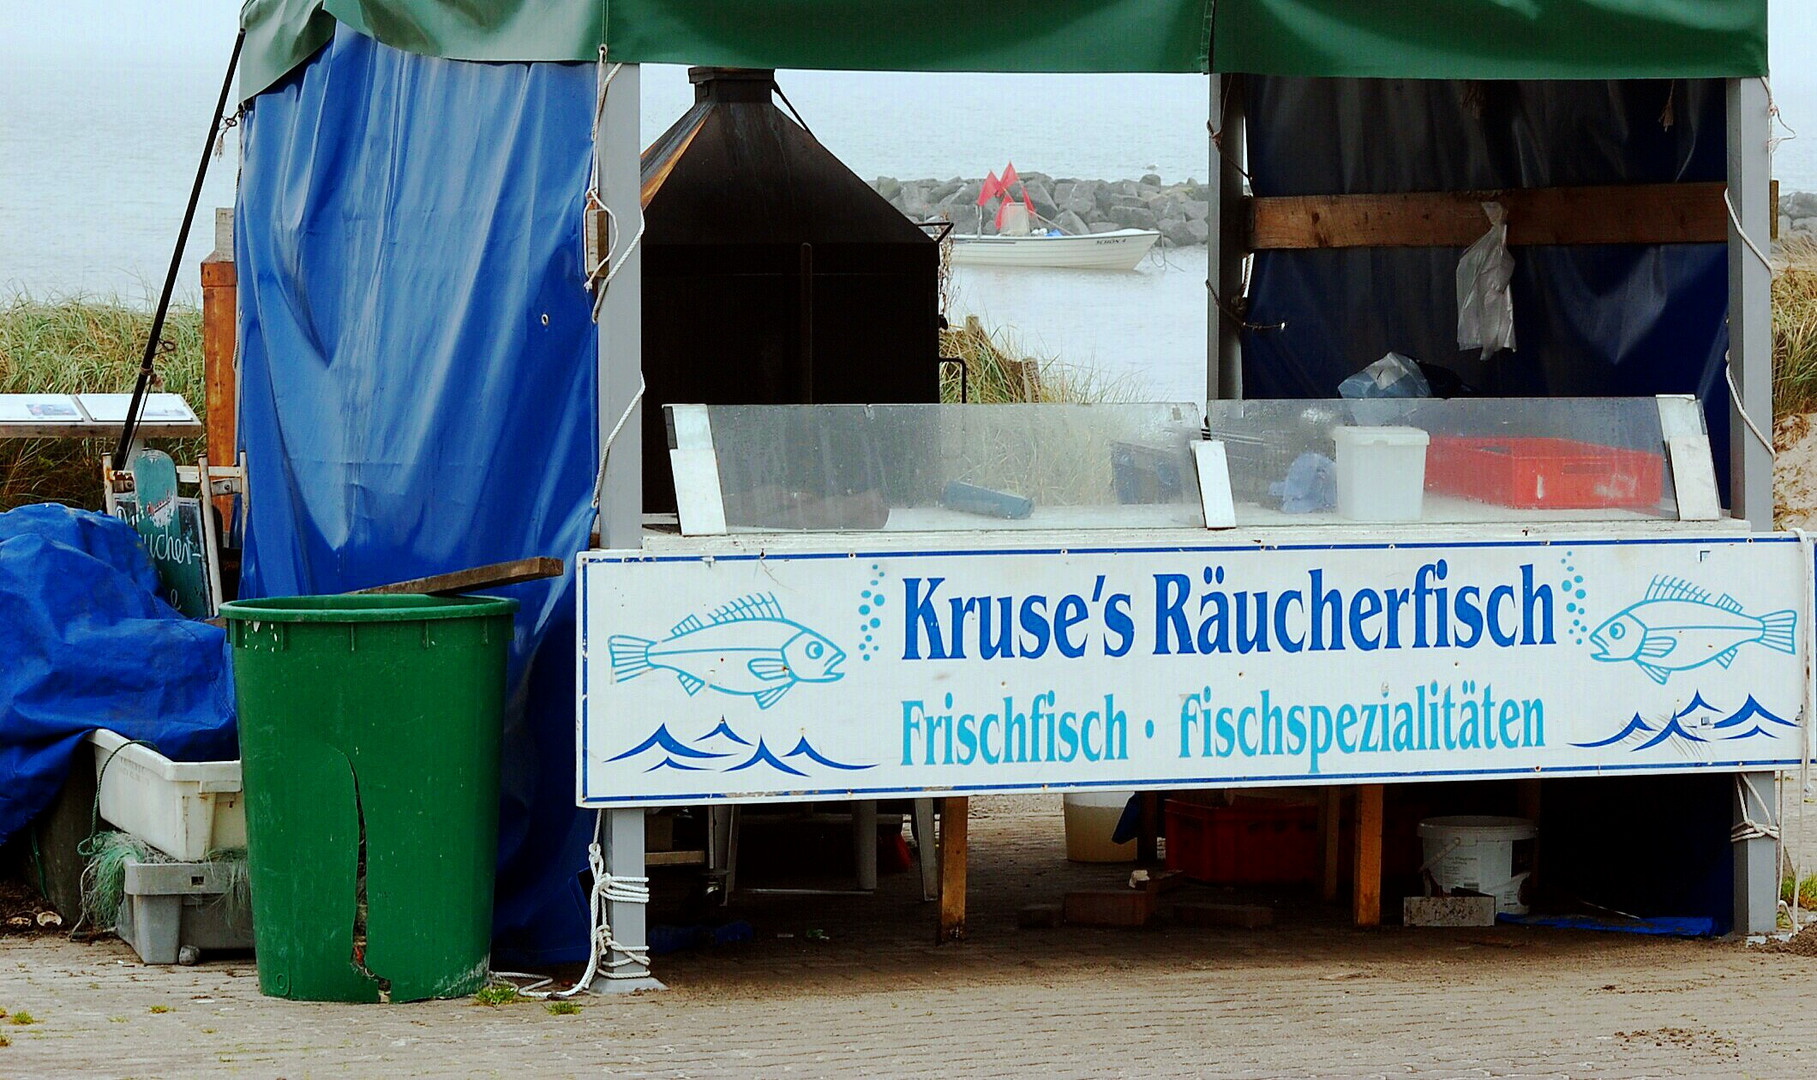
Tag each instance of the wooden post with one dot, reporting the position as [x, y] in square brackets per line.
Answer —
[1366, 894]
[1148, 833]
[954, 813]
[1330, 817]
[220, 340]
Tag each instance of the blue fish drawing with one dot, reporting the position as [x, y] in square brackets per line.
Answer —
[747, 647]
[1678, 627]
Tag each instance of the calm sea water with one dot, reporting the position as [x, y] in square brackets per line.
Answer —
[95, 163]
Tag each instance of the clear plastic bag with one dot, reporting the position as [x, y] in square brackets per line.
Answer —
[1485, 306]
[1393, 376]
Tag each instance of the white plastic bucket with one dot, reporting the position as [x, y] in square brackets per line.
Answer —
[1477, 854]
[1091, 819]
[1381, 472]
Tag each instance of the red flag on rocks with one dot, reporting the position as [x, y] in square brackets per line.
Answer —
[1009, 177]
[992, 188]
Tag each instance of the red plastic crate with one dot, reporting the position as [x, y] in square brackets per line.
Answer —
[1540, 473]
[1269, 844]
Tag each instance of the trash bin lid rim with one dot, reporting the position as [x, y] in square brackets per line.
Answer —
[352, 608]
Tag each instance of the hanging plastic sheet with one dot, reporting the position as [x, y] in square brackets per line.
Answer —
[418, 367]
[89, 644]
[1589, 321]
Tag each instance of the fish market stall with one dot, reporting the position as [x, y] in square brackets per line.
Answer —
[1555, 561]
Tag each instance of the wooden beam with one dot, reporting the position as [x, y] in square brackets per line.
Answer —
[220, 342]
[479, 577]
[954, 815]
[1330, 805]
[1366, 888]
[1632, 214]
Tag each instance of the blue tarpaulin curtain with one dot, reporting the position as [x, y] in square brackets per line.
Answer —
[418, 366]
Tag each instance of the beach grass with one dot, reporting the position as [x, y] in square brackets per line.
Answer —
[85, 346]
[1795, 328]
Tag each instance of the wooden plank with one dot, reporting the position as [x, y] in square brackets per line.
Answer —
[479, 577]
[954, 814]
[1330, 804]
[1634, 214]
[220, 340]
[1366, 888]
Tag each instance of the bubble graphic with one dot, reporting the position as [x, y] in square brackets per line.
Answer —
[875, 623]
[1568, 607]
[1581, 594]
[864, 609]
[877, 600]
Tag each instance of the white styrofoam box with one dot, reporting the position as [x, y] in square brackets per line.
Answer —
[185, 809]
[1381, 472]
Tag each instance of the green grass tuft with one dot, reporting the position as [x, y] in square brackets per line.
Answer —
[496, 995]
[1807, 891]
[22, 1018]
[562, 1008]
[84, 346]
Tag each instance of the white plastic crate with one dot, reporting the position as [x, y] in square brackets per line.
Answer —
[185, 809]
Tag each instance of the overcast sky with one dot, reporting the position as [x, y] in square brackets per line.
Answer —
[200, 32]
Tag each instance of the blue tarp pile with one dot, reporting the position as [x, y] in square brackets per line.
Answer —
[88, 643]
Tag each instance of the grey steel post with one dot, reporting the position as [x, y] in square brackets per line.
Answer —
[1224, 242]
[1750, 304]
[621, 497]
[1756, 858]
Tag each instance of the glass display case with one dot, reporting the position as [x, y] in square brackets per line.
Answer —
[908, 468]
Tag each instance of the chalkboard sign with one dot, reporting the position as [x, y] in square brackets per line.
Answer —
[180, 553]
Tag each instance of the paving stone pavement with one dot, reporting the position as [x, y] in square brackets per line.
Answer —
[1310, 997]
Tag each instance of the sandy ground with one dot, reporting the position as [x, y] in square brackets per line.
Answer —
[1795, 472]
[1310, 996]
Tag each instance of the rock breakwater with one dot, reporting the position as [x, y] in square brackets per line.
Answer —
[1177, 211]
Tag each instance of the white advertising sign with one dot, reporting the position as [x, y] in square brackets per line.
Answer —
[835, 675]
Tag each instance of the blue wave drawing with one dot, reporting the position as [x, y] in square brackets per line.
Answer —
[669, 743]
[1671, 730]
[1750, 733]
[763, 756]
[804, 749]
[724, 730]
[671, 763]
[1751, 710]
[682, 757]
[1636, 726]
[1748, 711]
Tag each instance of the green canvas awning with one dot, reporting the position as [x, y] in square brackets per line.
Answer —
[1439, 39]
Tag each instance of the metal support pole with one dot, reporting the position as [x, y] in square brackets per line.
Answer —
[621, 316]
[1225, 242]
[1756, 859]
[624, 857]
[1750, 304]
[621, 498]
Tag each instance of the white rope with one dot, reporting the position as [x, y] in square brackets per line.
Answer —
[1735, 219]
[605, 452]
[1749, 829]
[1728, 372]
[607, 889]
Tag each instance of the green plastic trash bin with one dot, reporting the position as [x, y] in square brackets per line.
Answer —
[369, 735]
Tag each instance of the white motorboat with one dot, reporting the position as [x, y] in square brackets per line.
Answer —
[1119, 250]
